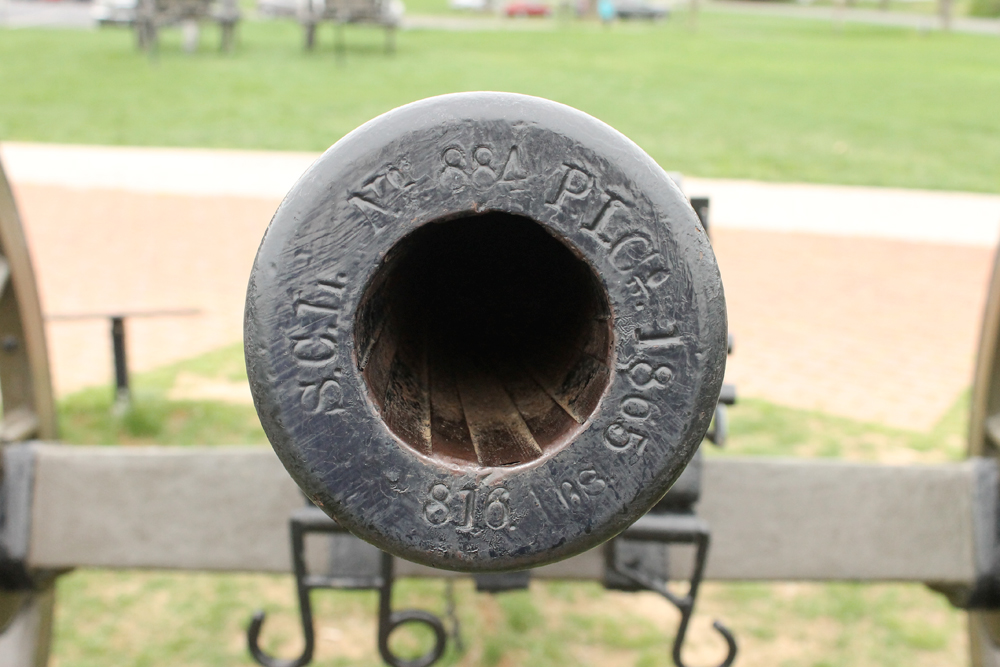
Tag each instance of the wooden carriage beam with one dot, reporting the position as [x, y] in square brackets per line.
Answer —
[227, 508]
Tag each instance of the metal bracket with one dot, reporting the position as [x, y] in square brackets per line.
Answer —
[671, 528]
[719, 432]
[312, 520]
[638, 558]
[26, 593]
[650, 556]
[502, 582]
[16, 493]
[15, 517]
[984, 592]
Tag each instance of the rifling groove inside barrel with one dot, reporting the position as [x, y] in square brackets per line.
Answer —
[484, 340]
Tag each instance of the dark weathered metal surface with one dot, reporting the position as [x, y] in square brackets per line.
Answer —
[485, 331]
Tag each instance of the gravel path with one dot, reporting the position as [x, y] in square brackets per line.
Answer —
[843, 14]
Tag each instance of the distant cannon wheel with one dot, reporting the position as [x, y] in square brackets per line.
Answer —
[984, 440]
[28, 413]
[28, 404]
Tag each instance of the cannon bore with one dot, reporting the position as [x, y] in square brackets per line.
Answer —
[493, 344]
[485, 332]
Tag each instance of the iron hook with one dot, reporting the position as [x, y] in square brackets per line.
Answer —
[262, 658]
[389, 620]
[731, 647]
[684, 604]
[398, 618]
[305, 611]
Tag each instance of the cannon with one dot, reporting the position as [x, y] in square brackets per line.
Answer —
[485, 332]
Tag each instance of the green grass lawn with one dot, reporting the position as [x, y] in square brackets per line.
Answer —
[743, 96]
[111, 619]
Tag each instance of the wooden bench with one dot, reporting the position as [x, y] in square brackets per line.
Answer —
[385, 13]
[152, 15]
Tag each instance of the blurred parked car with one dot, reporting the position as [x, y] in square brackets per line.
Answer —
[276, 8]
[471, 5]
[114, 12]
[527, 8]
[636, 9]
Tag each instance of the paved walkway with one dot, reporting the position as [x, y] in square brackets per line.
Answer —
[39, 14]
[76, 14]
[836, 14]
[863, 302]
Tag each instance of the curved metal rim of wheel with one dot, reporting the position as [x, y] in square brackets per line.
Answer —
[336, 270]
[25, 384]
[984, 441]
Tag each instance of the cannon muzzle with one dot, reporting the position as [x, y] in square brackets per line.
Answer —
[485, 331]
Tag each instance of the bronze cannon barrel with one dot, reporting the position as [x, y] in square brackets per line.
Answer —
[485, 331]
